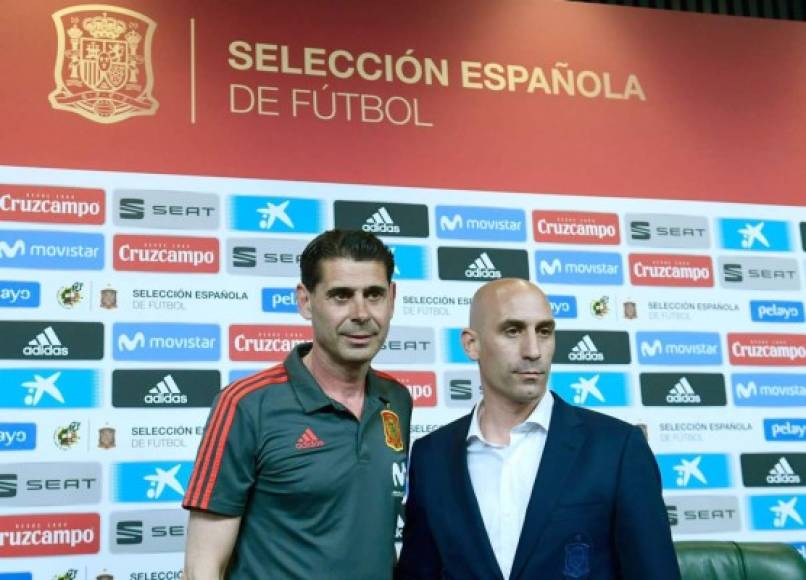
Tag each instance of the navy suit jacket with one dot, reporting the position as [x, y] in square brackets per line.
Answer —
[596, 510]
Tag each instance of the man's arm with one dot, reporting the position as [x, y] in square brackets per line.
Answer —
[210, 539]
[643, 538]
[419, 557]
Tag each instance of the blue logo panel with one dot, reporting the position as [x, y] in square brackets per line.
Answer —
[678, 348]
[755, 235]
[16, 576]
[800, 547]
[694, 470]
[785, 429]
[276, 215]
[778, 512]
[589, 268]
[152, 481]
[458, 222]
[280, 300]
[769, 389]
[776, 311]
[454, 353]
[411, 262]
[19, 294]
[563, 306]
[17, 436]
[46, 250]
[588, 389]
[157, 341]
[49, 388]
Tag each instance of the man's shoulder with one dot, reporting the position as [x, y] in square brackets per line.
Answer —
[594, 421]
[447, 433]
[254, 388]
[391, 387]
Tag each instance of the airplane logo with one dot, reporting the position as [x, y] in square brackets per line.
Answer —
[688, 469]
[752, 234]
[161, 479]
[784, 511]
[584, 387]
[451, 224]
[272, 213]
[40, 386]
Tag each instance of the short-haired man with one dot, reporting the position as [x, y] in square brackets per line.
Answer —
[295, 476]
[527, 486]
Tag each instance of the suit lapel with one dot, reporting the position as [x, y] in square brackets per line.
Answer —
[470, 520]
[564, 440]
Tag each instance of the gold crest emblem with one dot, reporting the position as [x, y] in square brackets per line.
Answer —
[103, 65]
[391, 430]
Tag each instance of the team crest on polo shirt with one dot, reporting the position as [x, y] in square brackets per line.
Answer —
[391, 430]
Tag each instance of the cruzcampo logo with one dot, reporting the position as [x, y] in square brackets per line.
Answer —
[391, 430]
[103, 64]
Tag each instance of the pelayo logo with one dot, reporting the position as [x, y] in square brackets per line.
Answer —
[785, 429]
[776, 311]
[47, 250]
[15, 294]
[563, 306]
[63, 205]
[17, 436]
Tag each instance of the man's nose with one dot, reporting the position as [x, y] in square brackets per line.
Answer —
[359, 309]
[530, 346]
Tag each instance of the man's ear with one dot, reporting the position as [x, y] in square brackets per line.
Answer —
[393, 295]
[304, 301]
[470, 342]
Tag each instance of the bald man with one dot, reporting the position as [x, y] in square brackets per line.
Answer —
[527, 486]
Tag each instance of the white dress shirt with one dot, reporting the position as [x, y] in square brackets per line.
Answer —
[503, 477]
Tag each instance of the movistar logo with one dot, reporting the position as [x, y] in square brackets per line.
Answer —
[125, 342]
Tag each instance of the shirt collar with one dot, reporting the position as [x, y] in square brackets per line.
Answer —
[540, 417]
[309, 393]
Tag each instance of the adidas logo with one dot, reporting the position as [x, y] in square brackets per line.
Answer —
[482, 267]
[381, 223]
[166, 392]
[309, 440]
[682, 392]
[782, 472]
[46, 343]
[585, 351]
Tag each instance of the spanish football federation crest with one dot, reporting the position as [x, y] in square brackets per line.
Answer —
[391, 430]
[103, 65]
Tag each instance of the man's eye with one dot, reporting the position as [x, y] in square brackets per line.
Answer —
[374, 296]
[512, 331]
[343, 297]
[545, 331]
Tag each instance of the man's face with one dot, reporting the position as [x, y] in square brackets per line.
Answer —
[513, 342]
[349, 309]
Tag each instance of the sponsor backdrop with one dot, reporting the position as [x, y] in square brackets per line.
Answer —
[155, 199]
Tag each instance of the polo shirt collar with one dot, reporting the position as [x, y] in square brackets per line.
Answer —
[539, 418]
[310, 394]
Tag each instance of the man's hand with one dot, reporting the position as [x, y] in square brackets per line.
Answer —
[210, 539]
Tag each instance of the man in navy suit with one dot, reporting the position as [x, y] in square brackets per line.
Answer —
[527, 486]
